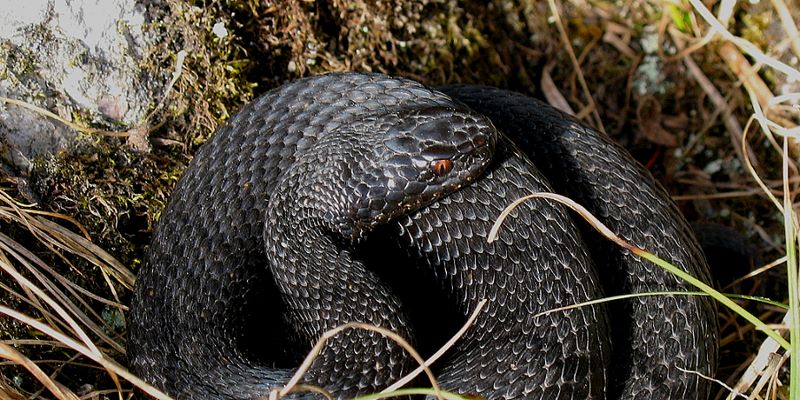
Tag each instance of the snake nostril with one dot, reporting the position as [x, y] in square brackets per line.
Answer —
[483, 153]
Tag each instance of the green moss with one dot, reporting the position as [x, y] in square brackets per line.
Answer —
[115, 192]
[753, 27]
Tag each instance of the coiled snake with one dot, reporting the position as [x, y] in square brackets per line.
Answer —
[266, 243]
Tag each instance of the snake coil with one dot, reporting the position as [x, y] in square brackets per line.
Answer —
[265, 244]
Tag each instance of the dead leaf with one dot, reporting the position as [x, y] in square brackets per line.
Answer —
[649, 115]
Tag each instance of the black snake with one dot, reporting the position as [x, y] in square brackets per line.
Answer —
[267, 242]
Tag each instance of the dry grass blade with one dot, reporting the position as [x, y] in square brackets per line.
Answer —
[110, 365]
[731, 123]
[9, 353]
[432, 359]
[760, 366]
[64, 308]
[598, 122]
[717, 381]
[293, 385]
[619, 36]
[27, 285]
[739, 65]
[723, 195]
[602, 228]
[68, 240]
[180, 57]
[769, 380]
[42, 111]
[756, 177]
[743, 44]
[788, 24]
[56, 237]
[551, 92]
[756, 272]
[404, 393]
[67, 218]
[312, 355]
[57, 299]
[301, 388]
[7, 392]
[136, 135]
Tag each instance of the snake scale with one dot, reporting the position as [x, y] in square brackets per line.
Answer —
[271, 238]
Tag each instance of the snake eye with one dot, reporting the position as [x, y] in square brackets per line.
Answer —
[441, 167]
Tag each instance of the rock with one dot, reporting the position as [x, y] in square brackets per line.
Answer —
[70, 57]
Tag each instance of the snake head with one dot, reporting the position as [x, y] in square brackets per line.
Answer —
[420, 156]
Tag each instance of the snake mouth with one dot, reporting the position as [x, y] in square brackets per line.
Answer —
[468, 164]
[448, 150]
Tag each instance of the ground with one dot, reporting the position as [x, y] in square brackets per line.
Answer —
[639, 71]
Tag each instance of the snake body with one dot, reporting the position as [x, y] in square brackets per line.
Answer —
[257, 251]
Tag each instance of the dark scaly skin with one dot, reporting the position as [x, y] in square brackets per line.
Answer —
[373, 170]
[339, 153]
[653, 337]
[538, 263]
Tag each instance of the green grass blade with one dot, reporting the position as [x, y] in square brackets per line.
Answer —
[791, 269]
[604, 230]
[760, 325]
[607, 299]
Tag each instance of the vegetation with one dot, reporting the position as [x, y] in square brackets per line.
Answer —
[682, 86]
